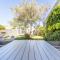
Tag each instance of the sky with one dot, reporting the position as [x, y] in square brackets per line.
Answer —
[6, 14]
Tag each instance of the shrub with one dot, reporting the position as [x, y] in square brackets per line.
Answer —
[40, 30]
[2, 27]
[54, 36]
[27, 36]
[23, 37]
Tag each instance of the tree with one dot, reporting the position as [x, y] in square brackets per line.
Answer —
[27, 14]
[53, 24]
[15, 24]
[54, 16]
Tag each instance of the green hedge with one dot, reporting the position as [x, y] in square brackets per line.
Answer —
[53, 36]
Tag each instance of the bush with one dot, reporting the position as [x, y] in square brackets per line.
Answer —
[55, 36]
[40, 30]
[27, 36]
[23, 37]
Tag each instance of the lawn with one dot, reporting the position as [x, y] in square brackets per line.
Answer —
[22, 37]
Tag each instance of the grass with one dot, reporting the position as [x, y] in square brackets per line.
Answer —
[22, 37]
[37, 37]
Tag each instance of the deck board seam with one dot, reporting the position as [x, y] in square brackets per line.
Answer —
[50, 53]
[7, 52]
[54, 50]
[18, 52]
[6, 48]
[23, 52]
[39, 52]
[44, 52]
[34, 53]
[12, 52]
[29, 51]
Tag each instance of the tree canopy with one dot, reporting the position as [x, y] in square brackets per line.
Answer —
[53, 24]
[27, 14]
[54, 17]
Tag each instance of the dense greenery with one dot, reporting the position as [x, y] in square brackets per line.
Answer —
[27, 36]
[54, 17]
[2, 27]
[53, 25]
[40, 31]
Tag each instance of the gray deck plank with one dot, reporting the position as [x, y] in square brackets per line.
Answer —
[11, 51]
[2, 49]
[49, 51]
[16, 51]
[6, 49]
[54, 52]
[38, 56]
[42, 52]
[26, 53]
[20, 53]
[29, 50]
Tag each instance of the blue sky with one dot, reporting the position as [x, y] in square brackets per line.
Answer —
[5, 9]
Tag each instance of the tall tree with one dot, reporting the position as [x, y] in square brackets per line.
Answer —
[28, 13]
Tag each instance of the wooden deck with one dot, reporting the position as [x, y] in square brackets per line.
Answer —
[29, 50]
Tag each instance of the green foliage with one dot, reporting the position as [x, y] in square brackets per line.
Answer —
[54, 17]
[53, 25]
[40, 30]
[2, 27]
[27, 14]
[23, 37]
[27, 36]
[57, 25]
[55, 36]
[20, 38]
